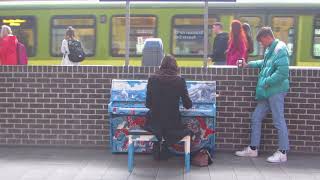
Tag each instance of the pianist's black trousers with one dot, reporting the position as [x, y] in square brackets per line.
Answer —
[171, 135]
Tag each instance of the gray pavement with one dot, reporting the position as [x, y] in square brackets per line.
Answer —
[44, 163]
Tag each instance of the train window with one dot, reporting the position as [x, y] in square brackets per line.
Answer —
[283, 28]
[316, 37]
[255, 23]
[187, 35]
[85, 26]
[141, 28]
[24, 27]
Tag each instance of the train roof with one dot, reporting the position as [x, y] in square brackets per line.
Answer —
[241, 4]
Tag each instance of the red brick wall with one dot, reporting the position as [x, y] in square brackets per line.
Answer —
[67, 106]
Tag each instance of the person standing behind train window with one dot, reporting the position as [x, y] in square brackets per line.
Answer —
[237, 45]
[271, 89]
[70, 35]
[8, 47]
[220, 44]
[247, 29]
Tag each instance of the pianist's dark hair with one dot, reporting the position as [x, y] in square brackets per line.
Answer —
[168, 66]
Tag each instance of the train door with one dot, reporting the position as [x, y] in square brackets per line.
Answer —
[255, 22]
[187, 35]
[141, 27]
[284, 28]
[316, 37]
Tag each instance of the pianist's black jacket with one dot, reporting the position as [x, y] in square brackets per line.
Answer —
[164, 91]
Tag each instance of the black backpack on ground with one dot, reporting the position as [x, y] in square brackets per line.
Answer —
[76, 51]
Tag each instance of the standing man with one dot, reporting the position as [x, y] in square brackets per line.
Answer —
[272, 87]
[220, 44]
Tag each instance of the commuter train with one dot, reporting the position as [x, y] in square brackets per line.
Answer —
[100, 26]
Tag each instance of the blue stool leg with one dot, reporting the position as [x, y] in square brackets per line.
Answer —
[130, 154]
[187, 153]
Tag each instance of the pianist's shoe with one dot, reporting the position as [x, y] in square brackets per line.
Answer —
[165, 154]
[156, 151]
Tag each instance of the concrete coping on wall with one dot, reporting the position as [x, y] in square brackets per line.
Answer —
[210, 66]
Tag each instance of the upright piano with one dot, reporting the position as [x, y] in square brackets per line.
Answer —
[127, 110]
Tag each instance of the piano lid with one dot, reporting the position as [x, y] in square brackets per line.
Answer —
[135, 90]
[128, 98]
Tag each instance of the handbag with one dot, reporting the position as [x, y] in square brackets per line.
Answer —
[202, 158]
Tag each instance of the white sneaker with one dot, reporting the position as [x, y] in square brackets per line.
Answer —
[277, 157]
[247, 152]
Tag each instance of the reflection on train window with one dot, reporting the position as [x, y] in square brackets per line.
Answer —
[24, 27]
[255, 23]
[187, 35]
[316, 37]
[85, 28]
[283, 29]
[141, 28]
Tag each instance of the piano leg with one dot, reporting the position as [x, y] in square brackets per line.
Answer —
[187, 153]
[130, 154]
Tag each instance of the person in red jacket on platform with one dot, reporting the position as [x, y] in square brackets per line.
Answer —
[8, 46]
[237, 45]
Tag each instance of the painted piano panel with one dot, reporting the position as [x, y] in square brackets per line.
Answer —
[127, 110]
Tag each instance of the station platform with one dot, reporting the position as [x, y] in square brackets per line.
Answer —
[51, 163]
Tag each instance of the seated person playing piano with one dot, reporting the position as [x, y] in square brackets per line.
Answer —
[164, 90]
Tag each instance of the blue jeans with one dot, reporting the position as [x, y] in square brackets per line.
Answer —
[274, 103]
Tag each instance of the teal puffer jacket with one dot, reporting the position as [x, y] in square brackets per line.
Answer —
[274, 71]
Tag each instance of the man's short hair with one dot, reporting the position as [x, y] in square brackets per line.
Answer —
[263, 32]
[219, 24]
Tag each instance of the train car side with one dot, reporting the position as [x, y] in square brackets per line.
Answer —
[298, 26]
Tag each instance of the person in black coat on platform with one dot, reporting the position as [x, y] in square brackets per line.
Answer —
[164, 90]
[220, 45]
